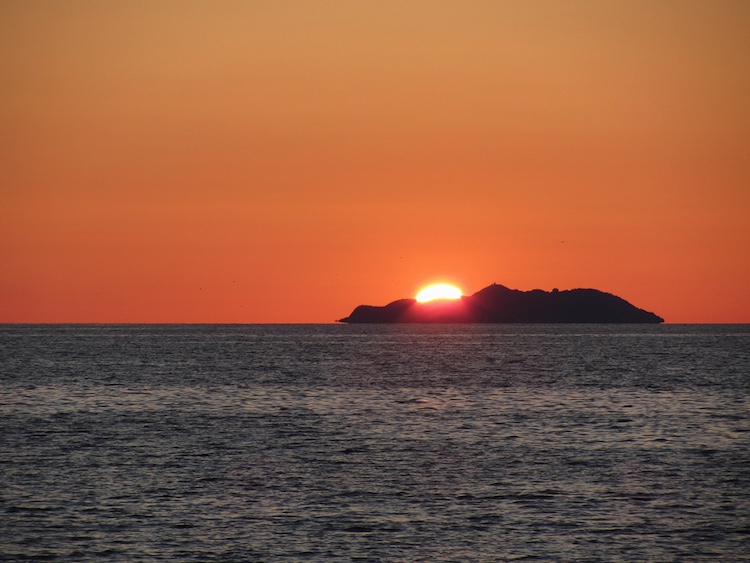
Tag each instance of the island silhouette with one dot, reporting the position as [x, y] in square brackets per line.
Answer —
[499, 304]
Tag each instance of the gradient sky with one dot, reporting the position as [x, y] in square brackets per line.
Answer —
[285, 161]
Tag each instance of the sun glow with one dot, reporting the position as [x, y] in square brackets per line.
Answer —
[438, 291]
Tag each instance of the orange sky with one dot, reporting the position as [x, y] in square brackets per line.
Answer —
[285, 161]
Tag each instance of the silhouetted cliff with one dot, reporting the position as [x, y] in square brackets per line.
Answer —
[498, 304]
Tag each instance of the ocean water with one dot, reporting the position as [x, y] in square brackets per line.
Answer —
[375, 443]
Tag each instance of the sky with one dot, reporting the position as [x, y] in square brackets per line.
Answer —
[274, 161]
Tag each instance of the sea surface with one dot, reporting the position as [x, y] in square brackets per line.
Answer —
[375, 443]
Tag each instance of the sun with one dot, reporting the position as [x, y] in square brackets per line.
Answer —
[438, 291]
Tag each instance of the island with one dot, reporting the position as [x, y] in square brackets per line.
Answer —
[499, 304]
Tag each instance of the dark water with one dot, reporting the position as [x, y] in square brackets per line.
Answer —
[375, 443]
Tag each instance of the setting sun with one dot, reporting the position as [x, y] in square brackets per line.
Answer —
[438, 291]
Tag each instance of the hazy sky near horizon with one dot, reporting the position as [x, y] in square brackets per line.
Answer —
[285, 161]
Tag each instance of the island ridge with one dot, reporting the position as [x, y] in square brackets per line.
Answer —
[499, 304]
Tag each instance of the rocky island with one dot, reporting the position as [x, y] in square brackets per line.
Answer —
[499, 304]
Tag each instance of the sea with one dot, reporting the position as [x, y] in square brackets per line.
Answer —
[374, 443]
